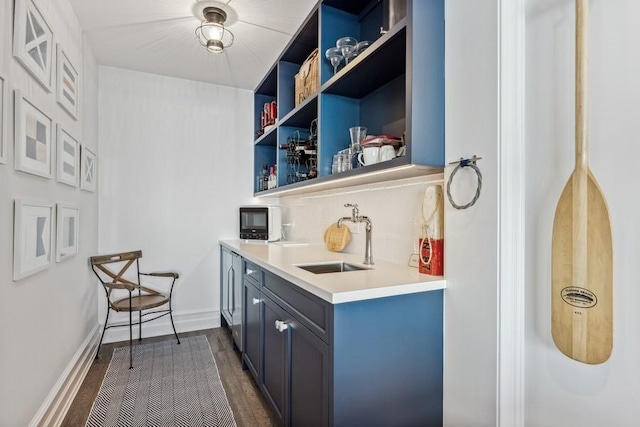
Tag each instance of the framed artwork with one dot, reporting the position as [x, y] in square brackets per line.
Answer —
[88, 170]
[68, 151]
[33, 131]
[67, 88]
[32, 237]
[67, 226]
[3, 120]
[33, 41]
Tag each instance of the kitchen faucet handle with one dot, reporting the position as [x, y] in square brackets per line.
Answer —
[354, 211]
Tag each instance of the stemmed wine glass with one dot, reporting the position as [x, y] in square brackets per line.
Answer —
[347, 45]
[334, 55]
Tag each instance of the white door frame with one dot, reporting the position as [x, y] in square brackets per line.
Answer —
[511, 210]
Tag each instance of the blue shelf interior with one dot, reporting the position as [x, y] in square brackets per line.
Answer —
[286, 87]
[425, 128]
[383, 112]
[304, 114]
[379, 63]
[337, 115]
[286, 132]
[336, 24]
[363, 23]
[263, 154]
[396, 85]
[258, 106]
[304, 42]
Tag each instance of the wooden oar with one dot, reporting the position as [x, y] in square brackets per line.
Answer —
[582, 272]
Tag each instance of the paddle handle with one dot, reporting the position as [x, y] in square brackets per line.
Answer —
[582, 17]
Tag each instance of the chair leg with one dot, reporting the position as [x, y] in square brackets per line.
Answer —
[172, 324]
[130, 334]
[140, 325]
[103, 331]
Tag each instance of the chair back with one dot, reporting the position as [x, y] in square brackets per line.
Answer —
[110, 270]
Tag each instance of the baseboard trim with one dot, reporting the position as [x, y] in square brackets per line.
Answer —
[57, 403]
[186, 321]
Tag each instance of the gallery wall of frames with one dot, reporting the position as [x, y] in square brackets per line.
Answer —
[44, 231]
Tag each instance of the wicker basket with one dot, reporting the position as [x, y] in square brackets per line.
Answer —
[307, 81]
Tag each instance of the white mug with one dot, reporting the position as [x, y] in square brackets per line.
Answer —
[387, 152]
[369, 156]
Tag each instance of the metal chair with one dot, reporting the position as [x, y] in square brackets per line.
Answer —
[110, 270]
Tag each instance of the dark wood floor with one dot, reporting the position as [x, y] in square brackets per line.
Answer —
[248, 405]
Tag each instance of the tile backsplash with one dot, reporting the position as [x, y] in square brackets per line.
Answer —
[394, 208]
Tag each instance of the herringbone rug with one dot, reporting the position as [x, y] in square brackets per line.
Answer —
[169, 385]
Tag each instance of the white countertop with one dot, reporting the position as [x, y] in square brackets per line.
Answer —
[382, 280]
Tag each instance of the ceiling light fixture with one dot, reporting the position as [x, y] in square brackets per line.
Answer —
[211, 33]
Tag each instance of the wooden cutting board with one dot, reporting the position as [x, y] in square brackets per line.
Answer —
[581, 253]
[337, 238]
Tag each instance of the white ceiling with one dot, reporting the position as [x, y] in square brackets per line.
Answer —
[158, 36]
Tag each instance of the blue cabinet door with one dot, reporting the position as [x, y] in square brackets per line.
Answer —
[274, 378]
[295, 373]
[309, 368]
[251, 345]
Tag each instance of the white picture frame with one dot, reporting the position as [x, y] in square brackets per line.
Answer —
[33, 132]
[67, 93]
[33, 42]
[32, 237]
[3, 119]
[88, 169]
[68, 158]
[67, 228]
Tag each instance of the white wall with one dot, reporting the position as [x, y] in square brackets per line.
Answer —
[559, 390]
[44, 318]
[471, 319]
[394, 208]
[176, 161]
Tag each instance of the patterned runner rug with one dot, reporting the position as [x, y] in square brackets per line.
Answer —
[169, 385]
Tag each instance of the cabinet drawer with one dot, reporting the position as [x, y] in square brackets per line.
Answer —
[311, 311]
[253, 272]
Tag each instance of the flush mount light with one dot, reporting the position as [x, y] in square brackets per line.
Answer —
[211, 33]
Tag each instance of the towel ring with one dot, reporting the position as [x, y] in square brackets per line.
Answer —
[462, 163]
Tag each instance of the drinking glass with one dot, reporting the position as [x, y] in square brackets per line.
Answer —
[346, 159]
[348, 47]
[361, 46]
[337, 163]
[334, 55]
[358, 134]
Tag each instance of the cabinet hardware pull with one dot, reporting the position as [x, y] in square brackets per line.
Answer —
[233, 291]
[250, 271]
[255, 301]
[228, 283]
[281, 326]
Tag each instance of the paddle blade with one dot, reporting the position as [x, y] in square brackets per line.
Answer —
[582, 272]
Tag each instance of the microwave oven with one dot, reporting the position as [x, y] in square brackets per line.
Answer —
[261, 223]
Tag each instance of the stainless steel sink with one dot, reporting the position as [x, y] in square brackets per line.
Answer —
[330, 267]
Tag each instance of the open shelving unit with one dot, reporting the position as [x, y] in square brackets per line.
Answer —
[394, 87]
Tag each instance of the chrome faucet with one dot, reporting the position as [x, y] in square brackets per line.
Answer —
[356, 218]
